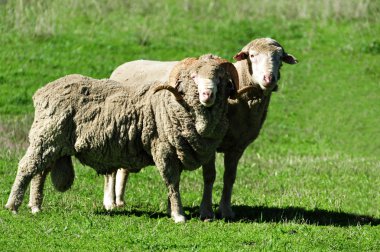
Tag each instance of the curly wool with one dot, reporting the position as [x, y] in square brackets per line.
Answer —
[107, 125]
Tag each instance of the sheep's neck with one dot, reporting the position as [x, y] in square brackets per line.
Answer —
[256, 94]
[246, 115]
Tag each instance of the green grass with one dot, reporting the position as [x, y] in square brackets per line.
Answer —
[311, 180]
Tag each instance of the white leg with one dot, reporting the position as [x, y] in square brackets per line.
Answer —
[121, 181]
[109, 191]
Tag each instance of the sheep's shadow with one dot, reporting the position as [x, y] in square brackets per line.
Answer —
[301, 215]
[261, 214]
[135, 212]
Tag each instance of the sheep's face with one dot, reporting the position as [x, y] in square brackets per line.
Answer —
[265, 67]
[201, 77]
[265, 57]
[207, 78]
[207, 89]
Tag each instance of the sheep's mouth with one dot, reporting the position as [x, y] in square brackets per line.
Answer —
[207, 97]
[207, 104]
[268, 86]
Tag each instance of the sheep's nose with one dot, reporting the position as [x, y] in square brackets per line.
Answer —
[206, 95]
[268, 79]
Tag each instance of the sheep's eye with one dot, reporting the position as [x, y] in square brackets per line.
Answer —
[252, 56]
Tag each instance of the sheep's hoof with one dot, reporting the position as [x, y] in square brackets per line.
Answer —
[206, 215]
[207, 219]
[179, 218]
[109, 206]
[11, 208]
[225, 213]
[35, 209]
[120, 204]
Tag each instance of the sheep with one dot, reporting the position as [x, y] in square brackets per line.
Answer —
[258, 65]
[138, 71]
[108, 125]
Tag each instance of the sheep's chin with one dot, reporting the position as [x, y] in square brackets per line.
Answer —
[207, 104]
[267, 88]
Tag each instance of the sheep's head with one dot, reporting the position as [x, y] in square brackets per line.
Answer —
[265, 57]
[207, 73]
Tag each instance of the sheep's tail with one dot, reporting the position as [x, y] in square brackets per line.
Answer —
[62, 174]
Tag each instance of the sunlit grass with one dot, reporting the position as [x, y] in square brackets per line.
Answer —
[309, 182]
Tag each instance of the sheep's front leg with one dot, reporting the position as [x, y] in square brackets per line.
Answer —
[109, 191]
[172, 179]
[36, 191]
[121, 181]
[231, 160]
[209, 174]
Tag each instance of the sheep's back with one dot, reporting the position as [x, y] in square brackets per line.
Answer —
[143, 71]
[98, 117]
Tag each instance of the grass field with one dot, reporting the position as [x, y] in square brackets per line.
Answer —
[309, 183]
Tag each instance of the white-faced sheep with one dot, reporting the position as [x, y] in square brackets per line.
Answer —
[108, 125]
[258, 65]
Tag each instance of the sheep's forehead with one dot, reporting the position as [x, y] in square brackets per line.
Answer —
[208, 71]
[265, 46]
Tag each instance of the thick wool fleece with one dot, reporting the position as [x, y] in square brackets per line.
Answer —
[108, 125]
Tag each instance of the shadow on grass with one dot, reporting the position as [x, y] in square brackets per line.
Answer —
[301, 215]
[138, 213]
[262, 214]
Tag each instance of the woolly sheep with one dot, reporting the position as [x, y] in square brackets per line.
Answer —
[258, 65]
[108, 125]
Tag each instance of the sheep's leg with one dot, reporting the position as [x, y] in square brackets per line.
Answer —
[209, 174]
[175, 203]
[121, 181]
[109, 191]
[172, 180]
[36, 191]
[32, 163]
[20, 184]
[231, 160]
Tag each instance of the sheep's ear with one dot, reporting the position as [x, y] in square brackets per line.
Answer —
[179, 87]
[193, 75]
[241, 56]
[290, 59]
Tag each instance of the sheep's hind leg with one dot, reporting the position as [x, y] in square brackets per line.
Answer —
[29, 165]
[109, 191]
[36, 191]
[209, 173]
[121, 181]
[231, 160]
[18, 190]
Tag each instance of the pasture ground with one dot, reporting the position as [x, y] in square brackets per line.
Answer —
[309, 183]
